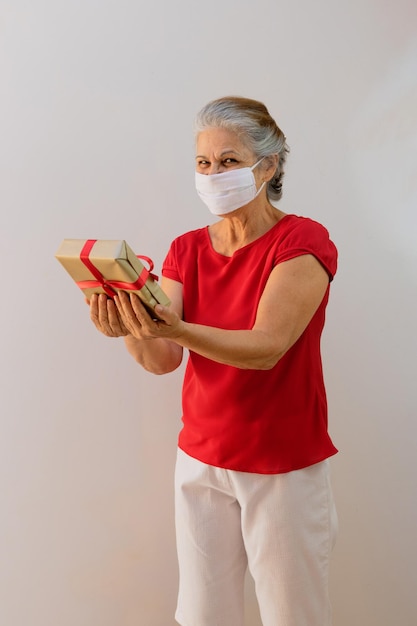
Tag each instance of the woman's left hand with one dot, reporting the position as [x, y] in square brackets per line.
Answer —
[141, 324]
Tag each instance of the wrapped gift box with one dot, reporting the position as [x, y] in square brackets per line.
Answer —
[109, 266]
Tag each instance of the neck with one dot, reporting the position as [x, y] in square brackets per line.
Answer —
[241, 227]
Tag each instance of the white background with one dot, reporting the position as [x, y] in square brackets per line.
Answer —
[96, 108]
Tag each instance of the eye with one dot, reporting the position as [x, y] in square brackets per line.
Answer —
[229, 161]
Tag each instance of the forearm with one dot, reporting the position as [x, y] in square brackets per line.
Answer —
[158, 356]
[245, 349]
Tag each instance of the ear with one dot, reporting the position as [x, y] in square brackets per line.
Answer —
[270, 164]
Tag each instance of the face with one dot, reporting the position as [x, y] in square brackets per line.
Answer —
[220, 150]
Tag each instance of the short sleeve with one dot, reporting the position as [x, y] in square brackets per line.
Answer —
[170, 266]
[308, 237]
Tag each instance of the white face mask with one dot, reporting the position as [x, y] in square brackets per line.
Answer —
[228, 191]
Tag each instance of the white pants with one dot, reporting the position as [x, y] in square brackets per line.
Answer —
[282, 526]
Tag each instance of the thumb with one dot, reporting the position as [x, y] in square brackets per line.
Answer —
[163, 313]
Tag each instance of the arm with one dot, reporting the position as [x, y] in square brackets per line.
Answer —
[292, 295]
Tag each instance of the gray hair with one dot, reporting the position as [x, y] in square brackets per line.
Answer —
[251, 120]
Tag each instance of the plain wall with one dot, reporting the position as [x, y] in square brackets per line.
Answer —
[96, 108]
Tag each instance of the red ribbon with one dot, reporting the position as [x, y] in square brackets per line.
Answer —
[110, 286]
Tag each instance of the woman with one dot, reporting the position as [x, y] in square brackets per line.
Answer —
[248, 296]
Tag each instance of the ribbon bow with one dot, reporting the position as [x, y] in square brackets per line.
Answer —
[110, 286]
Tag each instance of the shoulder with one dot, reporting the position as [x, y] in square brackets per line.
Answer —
[302, 226]
[302, 235]
[183, 253]
[186, 244]
[190, 237]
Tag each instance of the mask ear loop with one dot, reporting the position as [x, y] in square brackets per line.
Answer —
[263, 184]
[260, 189]
[257, 163]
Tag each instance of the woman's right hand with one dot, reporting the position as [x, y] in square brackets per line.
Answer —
[106, 317]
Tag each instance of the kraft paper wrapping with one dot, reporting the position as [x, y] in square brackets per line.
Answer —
[108, 266]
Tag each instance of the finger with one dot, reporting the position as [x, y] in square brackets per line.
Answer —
[124, 309]
[139, 309]
[123, 303]
[166, 315]
[132, 310]
[94, 310]
[135, 316]
[102, 317]
[102, 314]
[169, 324]
[126, 314]
[114, 319]
[108, 320]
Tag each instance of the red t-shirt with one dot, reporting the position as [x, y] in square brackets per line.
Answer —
[263, 421]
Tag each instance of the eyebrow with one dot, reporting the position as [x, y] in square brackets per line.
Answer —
[222, 154]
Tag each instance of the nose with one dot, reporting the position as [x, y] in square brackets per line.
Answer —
[215, 168]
